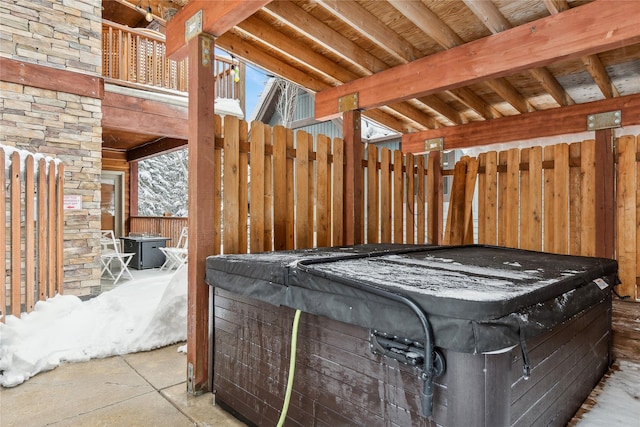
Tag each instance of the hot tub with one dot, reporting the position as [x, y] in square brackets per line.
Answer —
[410, 335]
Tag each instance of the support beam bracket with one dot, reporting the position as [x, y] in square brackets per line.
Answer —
[193, 26]
[608, 120]
[348, 102]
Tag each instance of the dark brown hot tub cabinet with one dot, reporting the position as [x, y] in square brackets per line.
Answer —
[403, 335]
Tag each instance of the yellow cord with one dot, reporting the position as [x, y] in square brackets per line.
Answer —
[292, 368]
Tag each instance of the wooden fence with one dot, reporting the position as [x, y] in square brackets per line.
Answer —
[534, 198]
[32, 231]
[166, 226]
[544, 199]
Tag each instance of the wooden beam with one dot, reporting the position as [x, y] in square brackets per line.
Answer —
[444, 35]
[585, 30]
[311, 63]
[353, 179]
[477, 104]
[591, 62]
[360, 59]
[201, 209]
[372, 28]
[42, 77]
[555, 121]
[162, 145]
[218, 17]
[493, 19]
[132, 114]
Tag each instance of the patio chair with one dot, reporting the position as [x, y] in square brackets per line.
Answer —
[176, 256]
[112, 255]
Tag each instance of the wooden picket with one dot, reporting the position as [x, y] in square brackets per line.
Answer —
[544, 199]
[33, 252]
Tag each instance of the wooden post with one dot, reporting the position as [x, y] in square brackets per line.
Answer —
[353, 179]
[604, 197]
[201, 209]
[434, 199]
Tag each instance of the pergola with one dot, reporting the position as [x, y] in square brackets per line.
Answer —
[469, 72]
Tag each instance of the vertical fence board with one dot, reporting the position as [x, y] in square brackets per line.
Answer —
[398, 197]
[60, 230]
[15, 234]
[243, 196]
[302, 190]
[588, 198]
[268, 192]
[525, 201]
[469, 190]
[411, 209]
[373, 199]
[491, 197]
[549, 230]
[434, 199]
[561, 199]
[512, 198]
[311, 192]
[385, 196]
[575, 195]
[3, 244]
[290, 223]
[257, 187]
[503, 158]
[217, 186]
[323, 208]
[454, 232]
[482, 197]
[231, 185]
[338, 192]
[42, 230]
[638, 217]
[626, 208]
[280, 188]
[421, 200]
[535, 199]
[30, 235]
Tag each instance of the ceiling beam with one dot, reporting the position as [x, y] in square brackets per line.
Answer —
[372, 28]
[591, 62]
[585, 30]
[218, 17]
[380, 34]
[438, 30]
[249, 51]
[538, 124]
[495, 21]
[363, 61]
[153, 148]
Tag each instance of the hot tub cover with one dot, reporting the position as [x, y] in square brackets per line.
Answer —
[476, 298]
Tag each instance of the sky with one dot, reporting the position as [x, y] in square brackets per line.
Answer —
[149, 313]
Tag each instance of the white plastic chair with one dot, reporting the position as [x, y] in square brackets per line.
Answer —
[111, 254]
[176, 256]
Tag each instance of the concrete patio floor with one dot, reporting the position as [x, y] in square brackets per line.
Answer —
[139, 389]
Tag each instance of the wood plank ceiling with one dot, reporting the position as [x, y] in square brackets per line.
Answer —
[324, 43]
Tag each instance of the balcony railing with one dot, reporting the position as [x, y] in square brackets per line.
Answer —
[138, 57]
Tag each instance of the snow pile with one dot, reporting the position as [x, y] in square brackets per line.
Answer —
[136, 316]
[618, 404]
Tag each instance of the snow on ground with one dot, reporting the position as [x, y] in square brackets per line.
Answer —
[137, 315]
[619, 402]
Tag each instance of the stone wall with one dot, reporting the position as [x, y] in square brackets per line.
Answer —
[64, 35]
